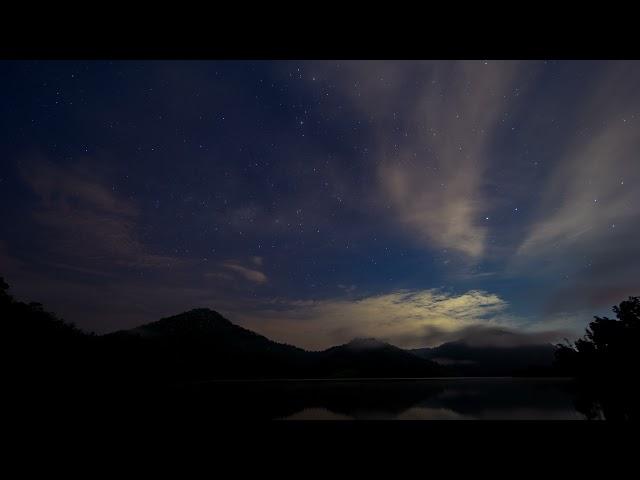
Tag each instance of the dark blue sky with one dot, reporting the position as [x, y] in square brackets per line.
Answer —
[315, 201]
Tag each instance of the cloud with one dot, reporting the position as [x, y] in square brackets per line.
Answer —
[90, 240]
[483, 335]
[247, 273]
[433, 124]
[219, 275]
[585, 229]
[404, 318]
[586, 196]
[94, 228]
[347, 288]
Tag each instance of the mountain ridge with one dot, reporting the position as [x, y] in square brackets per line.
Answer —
[194, 323]
[474, 360]
[203, 336]
[203, 343]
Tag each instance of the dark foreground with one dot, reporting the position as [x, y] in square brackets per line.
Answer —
[204, 425]
[250, 401]
[380, 399]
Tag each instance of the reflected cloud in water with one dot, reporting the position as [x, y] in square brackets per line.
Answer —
[385, 399]
[446, 399]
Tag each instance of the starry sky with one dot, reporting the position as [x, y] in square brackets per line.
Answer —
[418, 202]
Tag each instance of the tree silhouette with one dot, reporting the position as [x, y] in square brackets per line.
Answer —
[608, 348]
[5, 299]
[43, 348]
[605, 361]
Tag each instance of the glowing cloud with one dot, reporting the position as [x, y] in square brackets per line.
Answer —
[401, 317]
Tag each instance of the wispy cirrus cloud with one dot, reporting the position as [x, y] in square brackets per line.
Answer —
[92, 225]
[247, 273]
[433, 124]
[584, 230]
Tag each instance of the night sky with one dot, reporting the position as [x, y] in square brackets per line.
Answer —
[317, 201]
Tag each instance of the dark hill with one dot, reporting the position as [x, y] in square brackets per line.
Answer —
[201, 344]
[368, 357]
[468, 360]
[207, 327]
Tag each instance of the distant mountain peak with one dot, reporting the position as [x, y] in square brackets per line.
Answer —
[470, 359]
[192, 321]
[205, 325]
[202, 312]
[197, 315]
[366, 343]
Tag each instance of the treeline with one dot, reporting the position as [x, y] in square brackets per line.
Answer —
[38, 343]
[609, 348]
[606, 362]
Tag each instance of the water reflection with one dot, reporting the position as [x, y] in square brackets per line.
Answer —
[388, 399]
[450, 399]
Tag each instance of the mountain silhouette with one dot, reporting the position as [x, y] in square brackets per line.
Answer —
[369, 357]
[203, 327]
[202, 344]
[469, 360]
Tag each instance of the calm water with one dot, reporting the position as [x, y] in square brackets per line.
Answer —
[391, 399]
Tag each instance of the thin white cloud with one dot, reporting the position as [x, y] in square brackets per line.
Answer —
[247, 273]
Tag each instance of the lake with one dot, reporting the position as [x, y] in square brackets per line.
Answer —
[386, 399]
